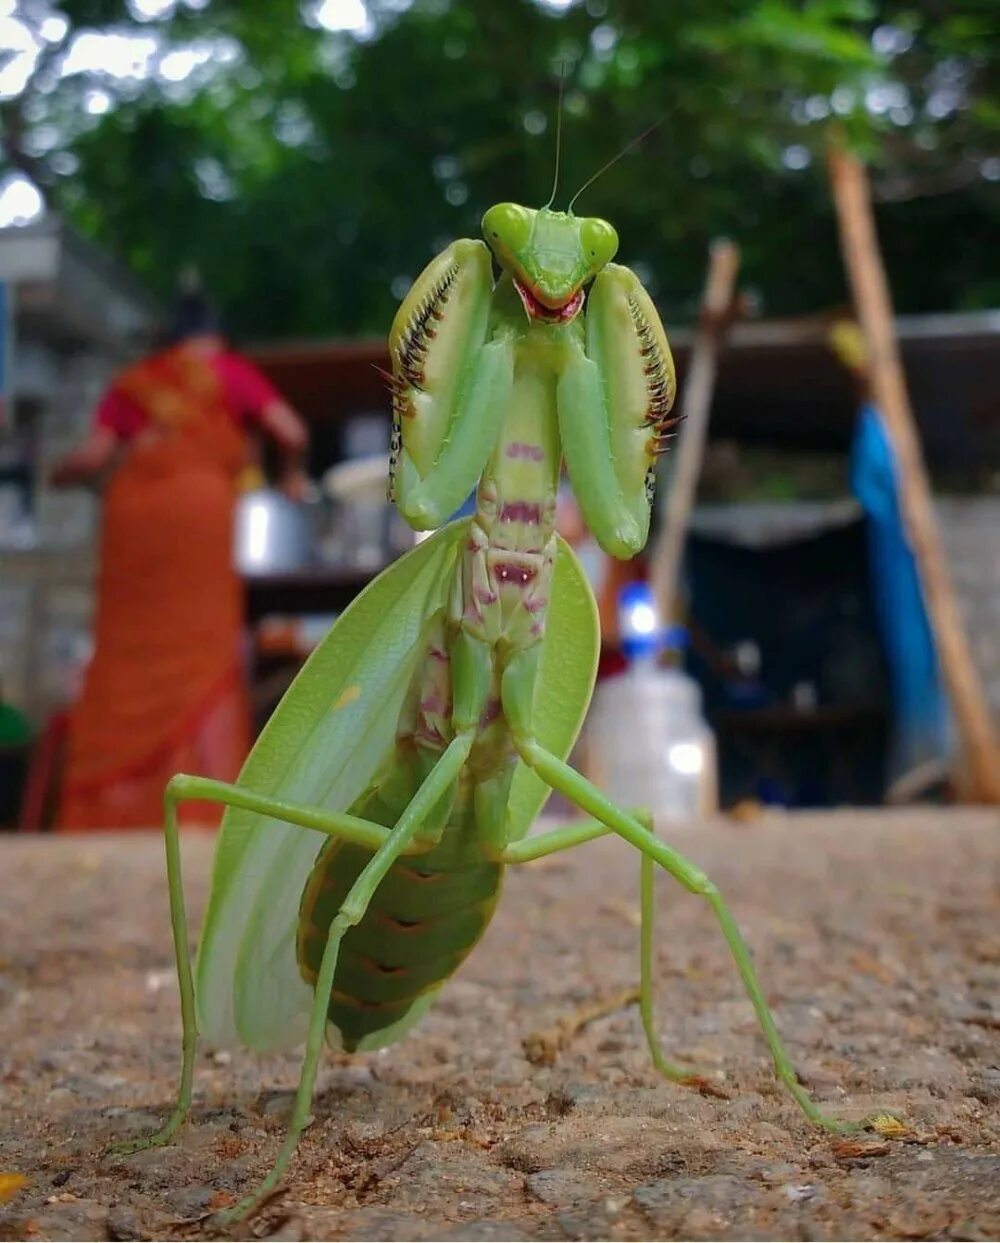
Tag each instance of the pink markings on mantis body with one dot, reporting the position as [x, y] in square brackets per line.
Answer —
[538, 605]
[429, 736]
[437, 653]
[490, 713]
[529, 512]
[485, 596]
[516, 575]
[433, 705]
[521, 449]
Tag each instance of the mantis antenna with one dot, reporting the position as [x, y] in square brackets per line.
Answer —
[559, 112]
[614, 160]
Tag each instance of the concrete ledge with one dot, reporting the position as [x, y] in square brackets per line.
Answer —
[877, 939]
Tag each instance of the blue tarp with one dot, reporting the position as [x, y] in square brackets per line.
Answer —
[922, 727]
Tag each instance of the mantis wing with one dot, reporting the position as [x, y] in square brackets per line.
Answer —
[322, 747]
[566, 676]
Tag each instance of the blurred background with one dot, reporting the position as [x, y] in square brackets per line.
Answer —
[228, 198]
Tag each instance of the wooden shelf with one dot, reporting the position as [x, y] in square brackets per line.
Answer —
[777, 718]
[320, 589]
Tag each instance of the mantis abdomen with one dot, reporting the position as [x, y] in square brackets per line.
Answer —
[425, 918]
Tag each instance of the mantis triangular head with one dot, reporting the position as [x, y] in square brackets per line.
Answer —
[551, 255]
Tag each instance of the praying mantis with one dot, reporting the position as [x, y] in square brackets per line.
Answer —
[364, 844]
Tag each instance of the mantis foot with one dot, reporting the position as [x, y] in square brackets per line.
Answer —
[889, 1126]
[705, 1085]
[125, 1148]
[246, 1207]
[885, 1124]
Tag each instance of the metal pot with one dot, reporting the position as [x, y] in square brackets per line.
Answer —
[367, 529]
[274, 535]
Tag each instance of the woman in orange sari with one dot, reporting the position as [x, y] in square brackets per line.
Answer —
[165, 691]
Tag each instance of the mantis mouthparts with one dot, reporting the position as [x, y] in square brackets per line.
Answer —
[537, 309]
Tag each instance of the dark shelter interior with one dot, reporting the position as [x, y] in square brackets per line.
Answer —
[809, 725]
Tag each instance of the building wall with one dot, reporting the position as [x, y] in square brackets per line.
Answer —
[970, 530]
[46, 587]
[46, 611]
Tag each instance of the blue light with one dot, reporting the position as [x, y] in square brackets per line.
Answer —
[643, 635]
[638, 622]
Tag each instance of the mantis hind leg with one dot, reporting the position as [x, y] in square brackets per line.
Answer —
[560, 776]
[543, 844]
[179, 789]
[670, 1070]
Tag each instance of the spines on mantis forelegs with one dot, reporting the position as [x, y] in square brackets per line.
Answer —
[661, 386]
[420, 330]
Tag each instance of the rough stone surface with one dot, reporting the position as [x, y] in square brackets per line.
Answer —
[877, 939]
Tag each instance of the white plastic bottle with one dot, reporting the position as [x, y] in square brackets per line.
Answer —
[649, 745]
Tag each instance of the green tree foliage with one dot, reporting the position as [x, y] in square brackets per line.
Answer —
[309, 173]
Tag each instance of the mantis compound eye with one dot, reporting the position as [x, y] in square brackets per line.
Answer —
[507, 225]
[599, 241]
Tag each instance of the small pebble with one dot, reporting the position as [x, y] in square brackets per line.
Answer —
[799, 1191]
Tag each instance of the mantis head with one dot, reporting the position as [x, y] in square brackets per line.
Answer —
[550, 255]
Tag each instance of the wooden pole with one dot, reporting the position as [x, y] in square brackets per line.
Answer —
[979, 742]
[668, 552]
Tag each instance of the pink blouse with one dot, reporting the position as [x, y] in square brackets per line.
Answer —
[246, 392]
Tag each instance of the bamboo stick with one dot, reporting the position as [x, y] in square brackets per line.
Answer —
[668, 551]
[979, 779]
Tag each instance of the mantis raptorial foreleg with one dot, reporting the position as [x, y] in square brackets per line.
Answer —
[183, 788]
[614, 397]
[447, 402]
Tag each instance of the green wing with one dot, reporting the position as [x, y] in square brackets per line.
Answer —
[322, 746]
[570, 650]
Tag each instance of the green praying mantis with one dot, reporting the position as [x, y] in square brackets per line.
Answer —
[365, 842]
